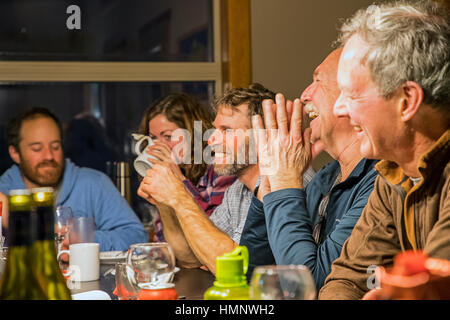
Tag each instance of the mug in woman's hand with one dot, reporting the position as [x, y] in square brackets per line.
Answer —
[141, 163]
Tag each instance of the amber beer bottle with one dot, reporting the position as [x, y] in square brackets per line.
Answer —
[48, 271]
[19, 281]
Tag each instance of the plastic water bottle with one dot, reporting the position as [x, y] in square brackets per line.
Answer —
[231, 282]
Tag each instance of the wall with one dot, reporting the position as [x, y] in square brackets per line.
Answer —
[290, 38]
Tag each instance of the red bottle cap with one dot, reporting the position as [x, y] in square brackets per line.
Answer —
[164, 292]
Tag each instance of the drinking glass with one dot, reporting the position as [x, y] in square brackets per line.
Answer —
[148, 218]
[293, 282]
[153, 263]
[126, 287]
[63, 219]
[82, 230]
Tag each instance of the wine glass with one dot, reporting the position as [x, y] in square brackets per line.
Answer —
[293, 282]
[153, 263]
[63, 219]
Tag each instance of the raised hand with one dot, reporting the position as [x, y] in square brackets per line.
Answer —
[161, 185]
[284, 150]
[164, 154]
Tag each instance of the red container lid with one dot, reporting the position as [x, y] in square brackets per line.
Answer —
[163, 292]
[158, 294]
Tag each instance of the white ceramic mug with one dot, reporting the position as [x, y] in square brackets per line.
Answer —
[141, 164]
[84, 261]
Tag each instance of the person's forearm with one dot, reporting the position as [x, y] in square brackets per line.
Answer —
[282, 181]
[289, 227]
[175, 237]
[205, 239]
[340, 290]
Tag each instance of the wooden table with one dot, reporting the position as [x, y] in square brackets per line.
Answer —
[190, 284]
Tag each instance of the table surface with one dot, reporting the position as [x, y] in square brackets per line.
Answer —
[190, 284]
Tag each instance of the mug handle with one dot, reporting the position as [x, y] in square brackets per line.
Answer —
[137, 146]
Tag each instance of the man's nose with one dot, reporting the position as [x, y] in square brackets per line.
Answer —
[306, 95]
[49, 153]
[340, 107]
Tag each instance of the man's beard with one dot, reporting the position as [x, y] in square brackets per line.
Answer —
[48, 179]
[237, 168]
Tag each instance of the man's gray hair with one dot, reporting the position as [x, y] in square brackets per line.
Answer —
[409, 41]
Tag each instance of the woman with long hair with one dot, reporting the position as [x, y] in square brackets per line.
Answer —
[160, 122]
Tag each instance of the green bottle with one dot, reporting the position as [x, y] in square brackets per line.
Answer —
[47, 268]
[231, 283]
[18, 281]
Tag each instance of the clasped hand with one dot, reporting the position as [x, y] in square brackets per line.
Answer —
[284, 150]
[164, 181]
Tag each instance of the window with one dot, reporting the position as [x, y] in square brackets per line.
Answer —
[126, 55]
[112, 30]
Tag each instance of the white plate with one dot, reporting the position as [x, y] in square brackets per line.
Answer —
[111, 257]
[91, 295]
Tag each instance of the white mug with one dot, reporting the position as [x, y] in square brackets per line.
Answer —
[84, 261]
[141, 164]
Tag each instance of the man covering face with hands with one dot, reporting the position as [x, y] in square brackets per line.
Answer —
[289, 223]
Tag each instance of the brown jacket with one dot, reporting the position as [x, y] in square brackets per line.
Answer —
[398, 216]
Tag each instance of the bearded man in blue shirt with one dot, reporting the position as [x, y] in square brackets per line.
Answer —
[35, 145]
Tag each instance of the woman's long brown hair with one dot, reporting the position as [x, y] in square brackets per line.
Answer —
[183, 110]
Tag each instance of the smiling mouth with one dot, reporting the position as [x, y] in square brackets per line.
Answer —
[47, 167]
[311, 110]
[220, 155]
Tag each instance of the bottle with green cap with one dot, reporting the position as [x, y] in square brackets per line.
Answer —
[231, 283]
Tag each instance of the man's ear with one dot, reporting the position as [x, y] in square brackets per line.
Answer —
[14, 154]
[412, 98]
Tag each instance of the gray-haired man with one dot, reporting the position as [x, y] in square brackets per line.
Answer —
[394, 76]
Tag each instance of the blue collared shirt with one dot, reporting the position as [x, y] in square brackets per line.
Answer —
[280, 230]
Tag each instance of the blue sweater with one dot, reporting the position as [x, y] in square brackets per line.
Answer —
[280, 230]
[91, 193]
